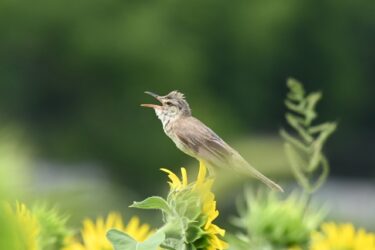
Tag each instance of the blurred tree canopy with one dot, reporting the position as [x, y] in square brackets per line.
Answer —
[72, 73]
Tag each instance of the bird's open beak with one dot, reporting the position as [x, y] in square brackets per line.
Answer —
[152, 105]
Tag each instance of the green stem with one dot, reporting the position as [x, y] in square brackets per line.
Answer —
[308, 196]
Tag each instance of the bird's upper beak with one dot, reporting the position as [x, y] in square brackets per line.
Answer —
[152, 105]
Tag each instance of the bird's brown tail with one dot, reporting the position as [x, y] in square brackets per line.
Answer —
[246, 168]
[271, 184]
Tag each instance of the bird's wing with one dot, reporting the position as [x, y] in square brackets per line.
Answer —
[202, 141]
[208, 146]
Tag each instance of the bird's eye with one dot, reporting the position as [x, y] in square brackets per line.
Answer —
[168, 103]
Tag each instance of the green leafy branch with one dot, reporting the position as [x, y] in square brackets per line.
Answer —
[305, 150]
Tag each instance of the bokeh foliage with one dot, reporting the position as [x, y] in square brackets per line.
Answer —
[73, 73]
[270, 222]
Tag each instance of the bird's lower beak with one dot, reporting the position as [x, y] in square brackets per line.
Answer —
[152, 105]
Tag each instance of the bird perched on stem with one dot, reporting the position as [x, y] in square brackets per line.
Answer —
[194, 138]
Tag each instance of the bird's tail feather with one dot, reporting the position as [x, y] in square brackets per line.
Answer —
[271, 184]
[246, 168]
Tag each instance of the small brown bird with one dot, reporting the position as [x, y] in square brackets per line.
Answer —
[194, 138]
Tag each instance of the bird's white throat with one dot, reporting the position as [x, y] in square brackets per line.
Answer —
[165, 117]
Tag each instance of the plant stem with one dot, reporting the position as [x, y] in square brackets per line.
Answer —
[308, 196]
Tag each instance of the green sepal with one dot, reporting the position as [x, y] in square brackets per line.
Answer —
[123, 241]
[194, 232]
[202, 243]
[154, 202]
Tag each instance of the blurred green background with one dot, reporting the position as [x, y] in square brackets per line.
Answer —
[73, 73]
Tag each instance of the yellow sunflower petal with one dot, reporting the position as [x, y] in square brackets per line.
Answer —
[176, 183]
[217, 230]
[94, 233]
[184, 177]
[201, 174]
[132, 226]
[344, 236]
[27, 227]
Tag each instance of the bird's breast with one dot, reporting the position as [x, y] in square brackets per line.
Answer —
[169, 131]
[167, 127]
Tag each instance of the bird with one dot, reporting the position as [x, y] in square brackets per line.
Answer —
[197, 140]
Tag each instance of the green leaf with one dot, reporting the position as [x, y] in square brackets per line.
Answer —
[120, 240]
[297, 91]
[123, 241]
[152, 242]
[154, 202]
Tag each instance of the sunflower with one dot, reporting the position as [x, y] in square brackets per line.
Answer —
[342, 237]
[25, 227]
[93, 233]
[195, 206]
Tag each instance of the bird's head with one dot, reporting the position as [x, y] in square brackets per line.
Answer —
[173, 106]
